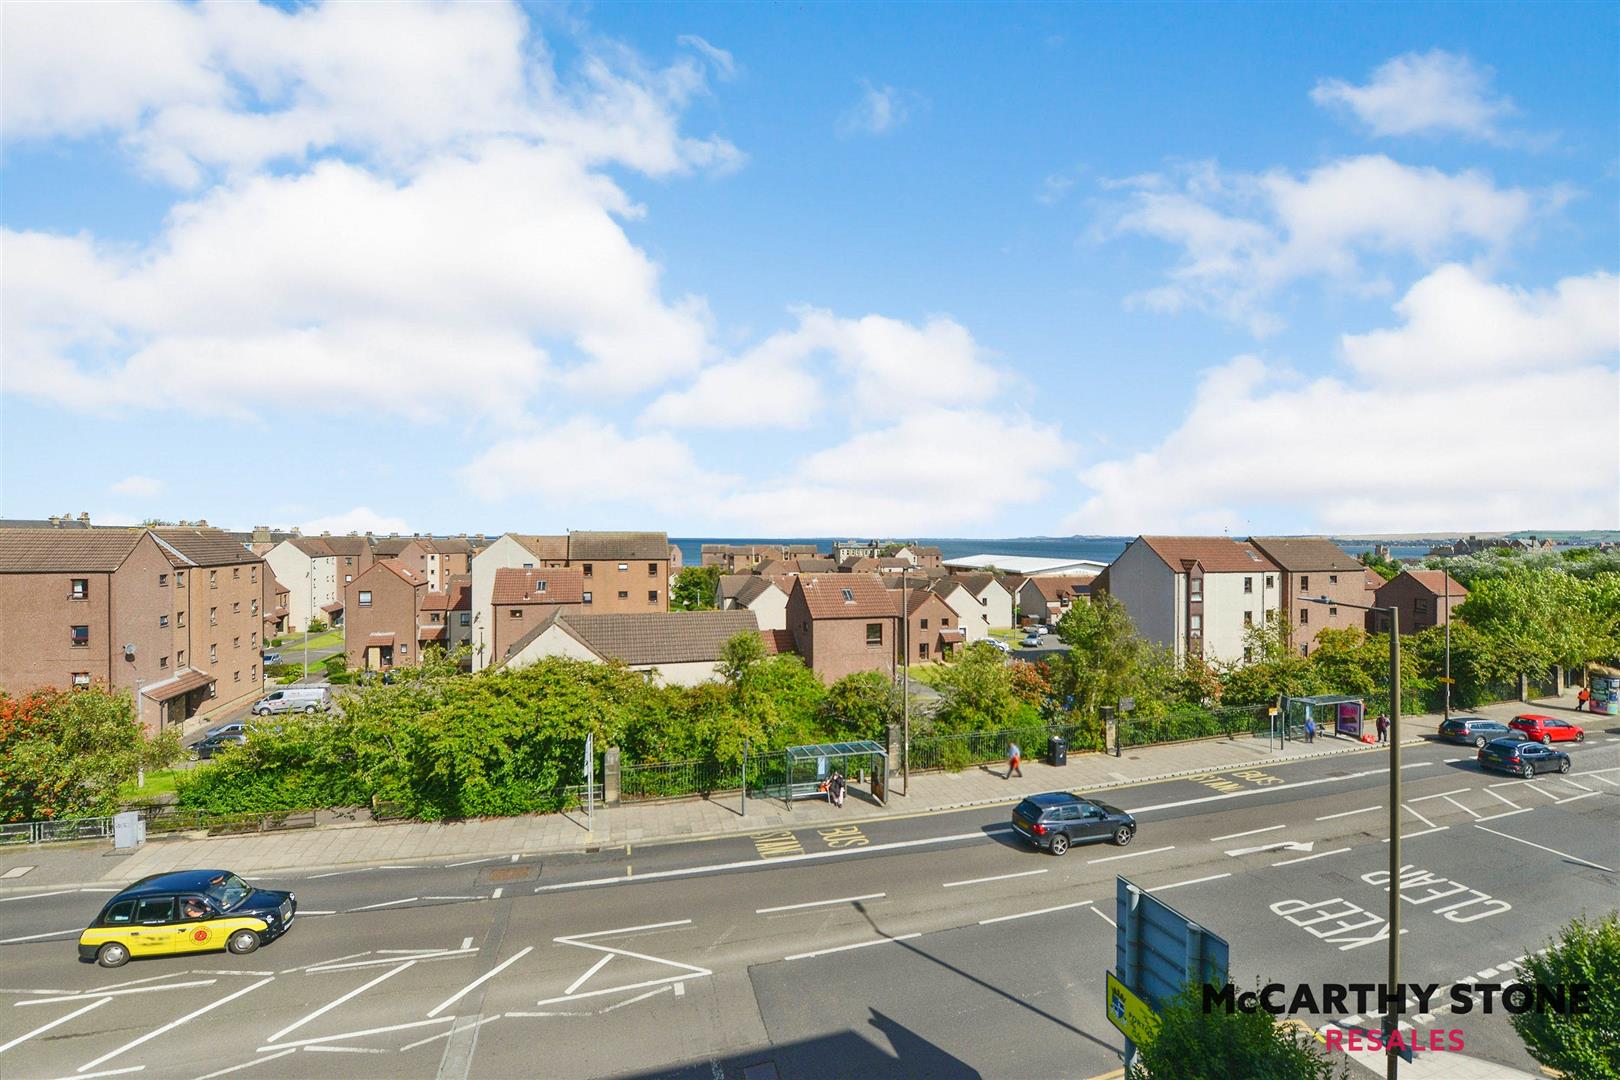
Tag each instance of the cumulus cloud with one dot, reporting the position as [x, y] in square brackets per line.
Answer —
[1243, 237]
[137, 487]
[1421, 94]
[1445, 426]
[878, 111]
[930, 473]
[466, 227]
[868, 365]
[359, 520]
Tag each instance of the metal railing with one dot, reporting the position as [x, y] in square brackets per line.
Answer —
[1196, 724]
[46, 832]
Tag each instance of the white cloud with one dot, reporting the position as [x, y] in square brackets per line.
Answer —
[361, 519]
[937, 471]
[868, 367]
[585, 463]
[1419, 94]
[1446, 427]
[880, 110]
[725, 65]
[137, 487]
[1244, 237]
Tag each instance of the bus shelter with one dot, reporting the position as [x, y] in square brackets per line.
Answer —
[1332, 712]
[810, 767]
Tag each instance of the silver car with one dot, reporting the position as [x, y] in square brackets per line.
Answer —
[305, 699]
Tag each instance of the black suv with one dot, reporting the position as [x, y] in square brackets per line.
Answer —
[1057, 820]
[1520, 756]
[1474, 729]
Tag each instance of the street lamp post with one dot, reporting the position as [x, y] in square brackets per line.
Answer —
[1391, 1019]
[1447, 574]
[905, 683]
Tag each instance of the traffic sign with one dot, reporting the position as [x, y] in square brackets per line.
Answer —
[1134, 1018]
[1158, 949]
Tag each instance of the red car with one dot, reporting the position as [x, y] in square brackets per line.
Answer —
[1546, 729]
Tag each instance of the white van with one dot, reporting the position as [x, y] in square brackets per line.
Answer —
[293, 699]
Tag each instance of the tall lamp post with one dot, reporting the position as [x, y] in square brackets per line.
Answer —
[1447, 575]
[1391, 1020]
[905, 682]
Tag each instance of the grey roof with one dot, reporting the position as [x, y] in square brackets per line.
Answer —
[663, 637]
[976, 583]
[618, 545]
[52, 550]
[816, 565]
[730, 585]
[347, 545]
[390, 546]
[207, 547]
[753, 588]
[1305, 553]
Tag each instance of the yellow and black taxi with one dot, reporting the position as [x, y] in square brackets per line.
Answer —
[187, 911]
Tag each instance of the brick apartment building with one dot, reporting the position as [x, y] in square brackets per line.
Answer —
[1420, 596]
[308, 566]
[523, 599]
[352, 557]
[1316, 566]
[384, 617]
[932, 630]
[273, 605]
[218, 594]
[1195, 594]
[843, 623]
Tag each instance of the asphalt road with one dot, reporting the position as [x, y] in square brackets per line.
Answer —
[935, 945]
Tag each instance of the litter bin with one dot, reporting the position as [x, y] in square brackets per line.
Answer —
[1057, 750]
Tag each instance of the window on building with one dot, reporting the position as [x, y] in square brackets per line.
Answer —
[253, 672]
[1248, 618]
[1304, 616]
[1333, 579]
[923, 624]
[1196, 588]
[652, 569]
[528, 566]
[624, 594]
[945, 623]
[365, 597]
[180, 658]
[874, 633]
[516, 613]
[253, 575]
[1271, 582]
[236, 607]
[213, 690]
[585, 597]
[236, 676]
[1304, 583]
[81, 679]
[624, 566]
[587, 569]
[81, 636]
[404, 649]
[253, 640]
[253, 607]
[163, 661]
[1248, 584]
[213, 579]
[1248, 654]
[466, 618]
[236, 573]
[213, 616]
[163, 620]
[1420, 606]
[347, 578]
[1332, 611]
[163, 581]
[922, 650]
[79, 589]
[180, 618]
[213, 654]
[179, 577]
[1196, 624]
[236, 642]
[849, 595]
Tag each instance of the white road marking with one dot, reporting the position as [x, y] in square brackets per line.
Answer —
[16, 872]
[346, 1049]
[1418, 765]
[680, 991]
[592, 970]
[1347, 813]
[1251, 832]
[1105, 918]
[172, 1024]
[1572, 783]
[329, 1006]
[1283, 845]
[847, 948]
[452, 897]
[54, 1023]
[496, 895]
[36, 896]
[250, 1064]
[1503, 798]
[1555, 851]
[1419, 816]
[118, 993]
[677, 987]
[466, 942]
[1031, 914]
[1308, 858]
[1454, 760]
[1254, 791]
[1507, 813]
[468, 862]
[480, 1022]
[128, 982]
[1603, 780]
[1463, 808]
[360, 1034]
[1420, 832]
[997, 877]
[1132, 854]
[1179, 884]
[549, 1012]
[621, 989]
[448, 954]
[819, 903]
[340, 873]
[106, 1072]
[386, 903]
[1575, 798]
[485, 977]
[572, 938]
[415, 952]
[1530, 787]
[322, 963]
[36, 937]
[514, 858]
[1441, 795]
[301, 911]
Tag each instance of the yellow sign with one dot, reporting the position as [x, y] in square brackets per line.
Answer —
[1133, 1016]
[1273, 711]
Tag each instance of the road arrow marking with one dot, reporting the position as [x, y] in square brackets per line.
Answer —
[1286, 845]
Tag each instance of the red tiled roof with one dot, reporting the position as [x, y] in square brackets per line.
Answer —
[556, 585]
[1304, 554]
[29, 551]
[544, 547]
[1058, 588]
[1434, 581]
[824, 595]
[430, 633]
[380, 637]
[954, 633]
[185, 680]
[1216, 554]
[332, 608]
[777, 642]
[411, 577]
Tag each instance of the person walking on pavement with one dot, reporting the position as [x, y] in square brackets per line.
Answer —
[1013, 756]
[1310, 730]
[1583, 700]
[1383, 727]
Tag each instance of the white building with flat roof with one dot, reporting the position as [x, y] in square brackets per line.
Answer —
[1025, 565]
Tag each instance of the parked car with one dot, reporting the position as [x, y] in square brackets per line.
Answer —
[1056, 820]
[998, 645]
[1033, 641]
[272, 657]
[235, 727]
[1546, 729]
[206, 749]
[1038, 628]
[1473, 729]
[293, 699]
[186, 912]
[1520, 757]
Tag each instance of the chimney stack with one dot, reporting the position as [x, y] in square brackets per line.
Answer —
[85, 518]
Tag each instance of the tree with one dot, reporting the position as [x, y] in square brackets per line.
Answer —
[977, 693]
[739, 655]
[1588, 1044]
[694, 588]
[66, 753]
[1190, 1044]
[1105, 653]
[1382, 565]
[860, 706]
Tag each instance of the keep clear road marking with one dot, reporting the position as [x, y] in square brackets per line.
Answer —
[43, 1028]
[998, 877]
[324, 1009]
[172, 1024]
[1132, 854]
[687, 971]
[1555, 851]
[819, 903]
[857, 945]
[485, 977]
[1251, 832]
[1021, 915]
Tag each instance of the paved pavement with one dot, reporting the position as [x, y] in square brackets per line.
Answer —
[359, 843]
[921, 944]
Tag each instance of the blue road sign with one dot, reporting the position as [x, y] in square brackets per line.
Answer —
[1157, 949]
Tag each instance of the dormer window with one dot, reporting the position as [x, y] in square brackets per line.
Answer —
[849, 595]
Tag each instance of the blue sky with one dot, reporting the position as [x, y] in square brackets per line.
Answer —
[798, 270]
